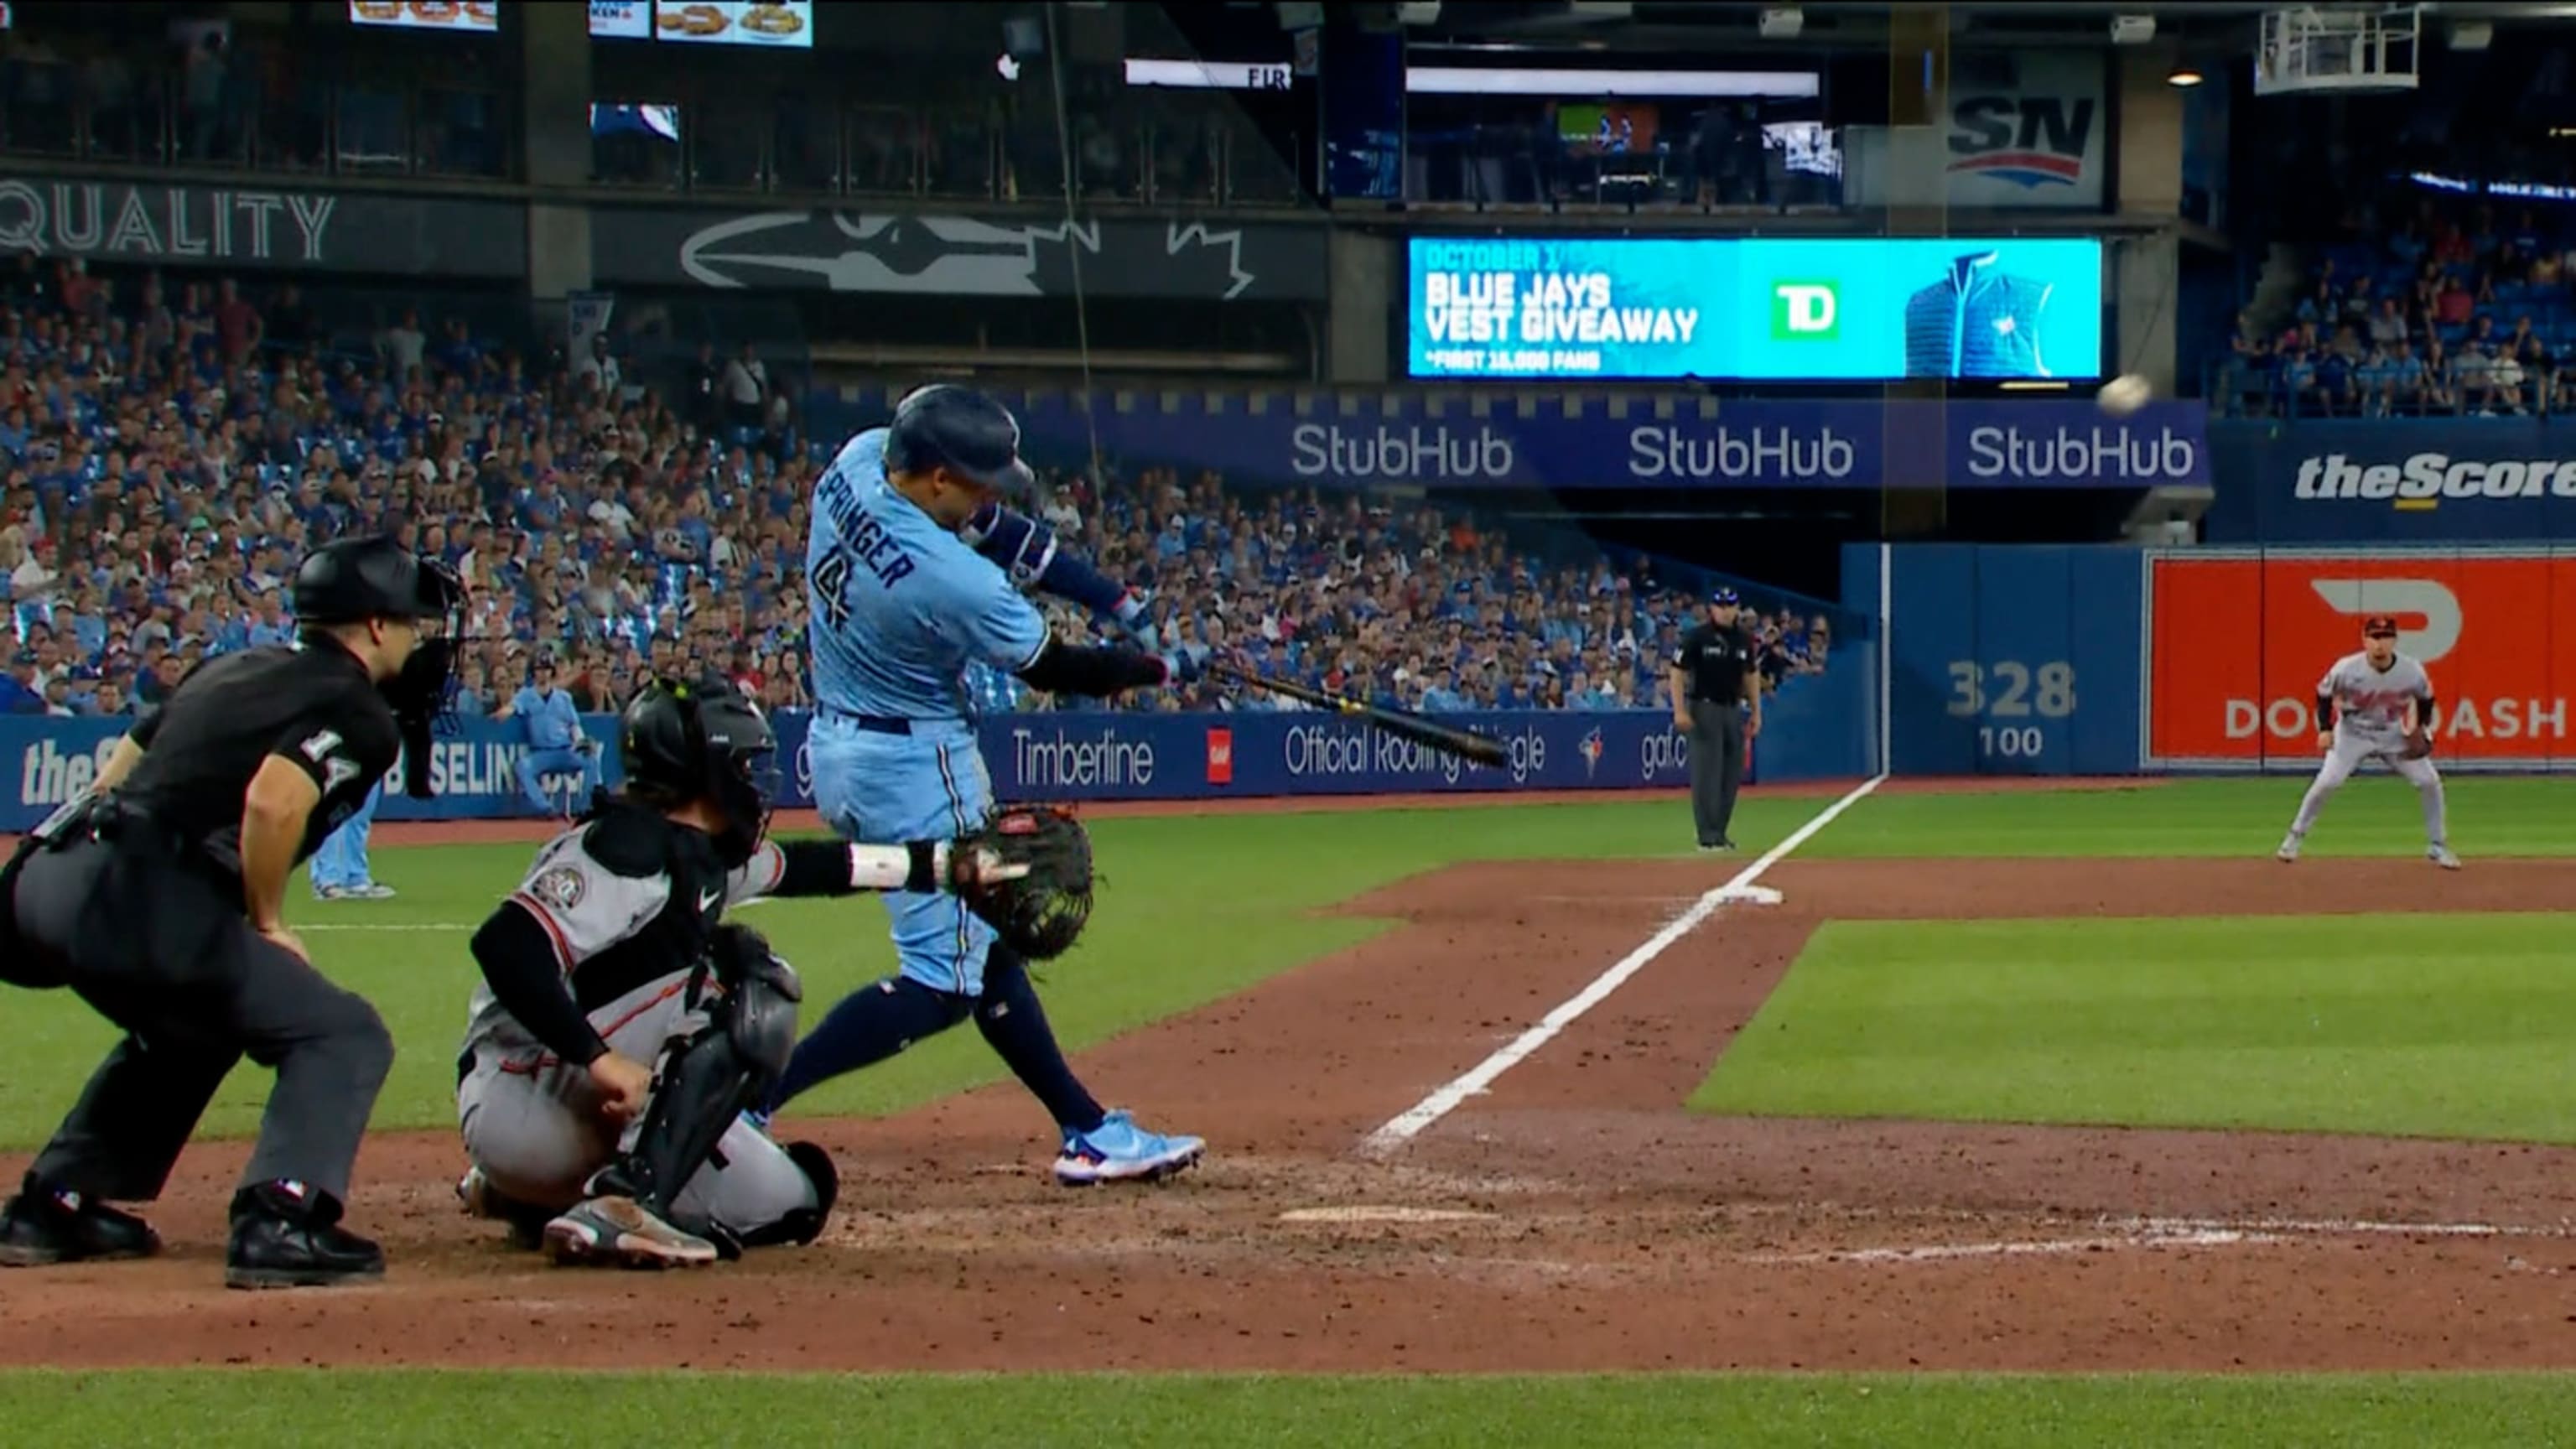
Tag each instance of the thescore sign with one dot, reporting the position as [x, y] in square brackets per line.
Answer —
[2504, 480]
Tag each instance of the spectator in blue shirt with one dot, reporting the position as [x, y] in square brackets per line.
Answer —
[556, 745]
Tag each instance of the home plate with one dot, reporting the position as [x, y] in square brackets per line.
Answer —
[1386, 1214]
[1751, 895]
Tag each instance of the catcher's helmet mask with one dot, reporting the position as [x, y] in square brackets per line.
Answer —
[962, 431]
[683, 741]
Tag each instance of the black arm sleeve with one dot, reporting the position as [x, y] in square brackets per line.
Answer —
[2325, 713]
[2427, 710]
[527, 978]
[1095, 670]
[822, 868]
[145, 728]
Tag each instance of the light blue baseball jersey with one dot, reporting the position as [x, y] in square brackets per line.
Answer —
[553, 721]
[900, 606]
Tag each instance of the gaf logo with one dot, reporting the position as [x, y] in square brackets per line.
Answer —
[2423, 480]
[2031, 141]
[1805, 312]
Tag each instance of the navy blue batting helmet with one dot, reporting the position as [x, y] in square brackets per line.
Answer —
[964, 431]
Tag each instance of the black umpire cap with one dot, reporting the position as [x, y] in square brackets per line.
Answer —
[969, 433]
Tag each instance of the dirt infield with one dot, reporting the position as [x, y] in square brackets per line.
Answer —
[1572, 1219]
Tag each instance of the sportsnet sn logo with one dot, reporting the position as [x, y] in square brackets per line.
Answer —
[2030, 141]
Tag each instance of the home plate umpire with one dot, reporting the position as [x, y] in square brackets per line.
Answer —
[157, 897]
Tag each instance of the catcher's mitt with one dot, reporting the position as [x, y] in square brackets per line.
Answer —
[2419, 743]
[1042, 912]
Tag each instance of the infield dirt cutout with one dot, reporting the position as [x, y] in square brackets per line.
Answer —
[1575, 1218]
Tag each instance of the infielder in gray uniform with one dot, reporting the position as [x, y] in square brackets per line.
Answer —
[2362, 706]
[622, 1033]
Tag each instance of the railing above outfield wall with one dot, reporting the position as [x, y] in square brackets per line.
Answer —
[1817, 727]
[2394, 481]
[2116, 661]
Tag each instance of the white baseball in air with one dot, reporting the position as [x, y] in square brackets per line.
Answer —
[2124, 394]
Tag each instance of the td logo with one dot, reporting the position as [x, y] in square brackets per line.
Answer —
[1805, 311]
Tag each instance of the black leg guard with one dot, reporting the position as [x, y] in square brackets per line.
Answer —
[805, 1226]
[706, 1080]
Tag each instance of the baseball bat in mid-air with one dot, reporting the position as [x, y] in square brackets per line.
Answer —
[1431, 734]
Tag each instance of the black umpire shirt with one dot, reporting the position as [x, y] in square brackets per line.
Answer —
[1716, 660]
[312, 705]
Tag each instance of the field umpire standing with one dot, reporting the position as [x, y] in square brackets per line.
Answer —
[157, 897]
[1717, 702]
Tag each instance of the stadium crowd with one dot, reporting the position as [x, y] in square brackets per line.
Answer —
[172, 447]
[2421, 304]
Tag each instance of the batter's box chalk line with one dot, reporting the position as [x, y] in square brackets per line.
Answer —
[2023, 1248]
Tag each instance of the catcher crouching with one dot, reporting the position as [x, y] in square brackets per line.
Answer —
[613, 955]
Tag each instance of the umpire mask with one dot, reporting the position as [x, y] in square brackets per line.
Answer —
[357, 580]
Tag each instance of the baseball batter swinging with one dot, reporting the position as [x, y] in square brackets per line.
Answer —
[901, 606]
[2362, 706]
[621, 1031]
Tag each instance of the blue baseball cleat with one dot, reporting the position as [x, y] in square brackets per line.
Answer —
[1120, 1151]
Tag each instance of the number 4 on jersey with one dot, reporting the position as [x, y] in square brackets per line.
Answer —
[828, 578]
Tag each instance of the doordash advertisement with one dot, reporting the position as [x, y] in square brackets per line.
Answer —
[2239, 640]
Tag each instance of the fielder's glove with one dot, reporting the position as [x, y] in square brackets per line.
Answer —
[2419, 743]
[1040, 913]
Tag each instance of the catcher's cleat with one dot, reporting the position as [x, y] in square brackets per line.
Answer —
[1120, 1151]
[622, 1230]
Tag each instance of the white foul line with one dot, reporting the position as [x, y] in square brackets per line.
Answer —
[1441, 1103]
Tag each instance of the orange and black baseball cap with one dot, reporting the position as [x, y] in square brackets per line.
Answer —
[2379, 626]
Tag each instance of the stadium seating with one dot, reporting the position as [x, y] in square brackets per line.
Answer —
[2427, 304]
[172, 449]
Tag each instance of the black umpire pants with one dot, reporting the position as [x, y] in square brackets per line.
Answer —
[158, 948]
[1716, 767]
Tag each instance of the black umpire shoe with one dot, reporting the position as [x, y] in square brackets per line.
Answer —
[287, 1236]
[44, 1225]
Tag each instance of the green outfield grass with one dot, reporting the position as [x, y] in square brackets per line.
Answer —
[345, 1409]
[2449, 1026]
[1192, 909]
[2375, 814]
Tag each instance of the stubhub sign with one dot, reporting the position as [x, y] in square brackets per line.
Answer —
[1434, 442]
[1817, 727]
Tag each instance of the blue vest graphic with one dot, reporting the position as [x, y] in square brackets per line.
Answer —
[1976, 322]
